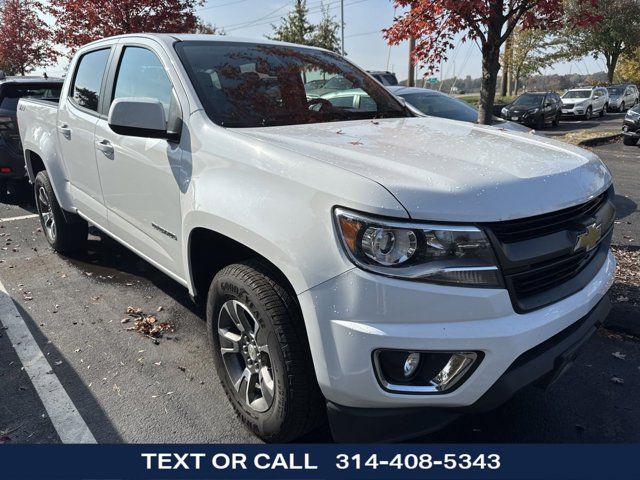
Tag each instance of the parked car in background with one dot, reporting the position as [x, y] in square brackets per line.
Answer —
[535, 109]
[438, 104]
[388, 79]
[585, 102]
[314, 84]
[622, 97]
[631, 126]
[11, 90]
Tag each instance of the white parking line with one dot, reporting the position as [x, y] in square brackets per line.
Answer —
[21, 217]
[62, 412]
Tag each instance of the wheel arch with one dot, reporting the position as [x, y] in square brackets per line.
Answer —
[208, 251]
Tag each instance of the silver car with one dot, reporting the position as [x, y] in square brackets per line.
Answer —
[622, 97]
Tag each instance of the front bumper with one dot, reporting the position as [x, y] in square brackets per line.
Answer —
[631, 128]
[573, 112]
[542, 365]
[356, 313]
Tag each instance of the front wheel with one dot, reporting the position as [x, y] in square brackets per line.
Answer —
[588, 114]
[261, 352]
[622, 107]
[556, 120]
[629, 141]
[65, 232]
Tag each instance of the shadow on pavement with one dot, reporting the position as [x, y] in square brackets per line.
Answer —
[82, 397]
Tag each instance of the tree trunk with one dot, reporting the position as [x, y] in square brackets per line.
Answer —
[490, 67]
[506, 68]
[612, 62]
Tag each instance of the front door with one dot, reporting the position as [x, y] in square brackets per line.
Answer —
[77, 119]
[141, 176]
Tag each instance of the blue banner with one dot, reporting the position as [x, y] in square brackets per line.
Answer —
[129, 462]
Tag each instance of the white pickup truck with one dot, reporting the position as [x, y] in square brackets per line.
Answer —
[358, 263]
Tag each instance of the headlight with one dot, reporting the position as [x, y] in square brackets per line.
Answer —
[450, 254]
[505, 112]
[533, 112]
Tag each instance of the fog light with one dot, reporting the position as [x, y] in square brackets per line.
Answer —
[406, 371]
[411, 364]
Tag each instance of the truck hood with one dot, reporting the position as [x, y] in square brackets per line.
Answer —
[443, 170]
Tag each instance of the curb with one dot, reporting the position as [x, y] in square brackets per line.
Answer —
[594, 142]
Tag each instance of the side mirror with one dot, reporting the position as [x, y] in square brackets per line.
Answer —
[138, 117]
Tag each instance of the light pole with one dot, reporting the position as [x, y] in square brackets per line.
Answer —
[342, 26]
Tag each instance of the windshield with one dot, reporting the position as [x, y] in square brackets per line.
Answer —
[615, 90]
[257, 85]
[528, 100]
[11, 93]
[442, 106]
[577, 94]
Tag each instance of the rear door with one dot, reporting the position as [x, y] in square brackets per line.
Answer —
[141, 177]
[77, 118]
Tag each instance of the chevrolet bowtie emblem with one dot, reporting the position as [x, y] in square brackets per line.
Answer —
[589, 239]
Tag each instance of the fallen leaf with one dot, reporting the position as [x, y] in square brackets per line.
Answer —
[617, 380]
[619, 355]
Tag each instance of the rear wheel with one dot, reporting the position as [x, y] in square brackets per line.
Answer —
[65, 232]
[604, 111]
[261, 352]
[629, 141]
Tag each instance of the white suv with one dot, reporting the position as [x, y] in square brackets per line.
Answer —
[585, 102]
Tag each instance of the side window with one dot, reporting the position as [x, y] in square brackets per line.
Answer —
[141, 74]
[88, 80]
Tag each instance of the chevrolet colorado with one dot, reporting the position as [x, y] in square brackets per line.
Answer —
[358, 263]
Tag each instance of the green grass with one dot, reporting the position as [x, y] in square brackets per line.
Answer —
[474, 99]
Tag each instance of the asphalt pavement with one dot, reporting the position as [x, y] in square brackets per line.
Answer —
[612, 121]
[129, 389]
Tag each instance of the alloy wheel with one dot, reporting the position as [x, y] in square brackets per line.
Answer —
[245, 355]
[48, 221]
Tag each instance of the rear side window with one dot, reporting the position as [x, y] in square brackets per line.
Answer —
[12, 93]
[88, 79]
[141, 74]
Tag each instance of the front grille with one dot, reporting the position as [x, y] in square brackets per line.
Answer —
[538, 257]
[568, 106]
[523, 229]
[549, 276]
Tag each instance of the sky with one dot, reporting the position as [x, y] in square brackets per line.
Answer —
[364, 44]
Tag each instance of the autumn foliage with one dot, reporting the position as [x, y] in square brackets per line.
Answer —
[436, 24]
[25, 40]
[81, 21]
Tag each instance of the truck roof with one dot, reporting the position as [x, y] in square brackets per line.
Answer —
[171, 38]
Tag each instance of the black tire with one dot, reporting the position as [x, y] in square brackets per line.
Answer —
[68, 232]
[3, 190]
[604, 110]
[622, 107]
[629, 141]
[540, 123]
[295, 405]
[556, 120]
[588, 114]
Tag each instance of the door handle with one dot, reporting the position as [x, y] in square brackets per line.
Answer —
[105, 147]
[64, 129]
